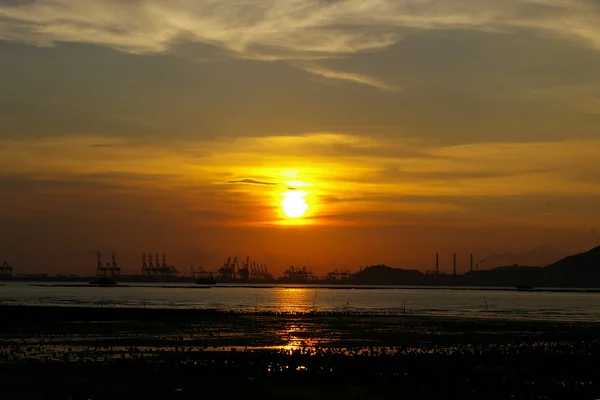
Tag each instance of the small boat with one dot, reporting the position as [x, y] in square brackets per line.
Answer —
[103, 281]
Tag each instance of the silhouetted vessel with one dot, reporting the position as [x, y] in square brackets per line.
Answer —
[103, 281]
[209, 280]
[525, 287]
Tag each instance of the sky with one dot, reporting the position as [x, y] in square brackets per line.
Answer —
[411, 126]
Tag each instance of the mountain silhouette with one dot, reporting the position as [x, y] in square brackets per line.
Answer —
[581, 269]
[382, 274]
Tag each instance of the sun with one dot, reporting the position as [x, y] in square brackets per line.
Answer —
[294, 203]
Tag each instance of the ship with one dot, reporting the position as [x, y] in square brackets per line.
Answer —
[210, 280]
[525, 287]
[103, 281]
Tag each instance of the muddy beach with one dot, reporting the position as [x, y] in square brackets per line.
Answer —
[98, 353]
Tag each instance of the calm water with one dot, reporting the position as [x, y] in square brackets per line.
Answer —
[466, 303]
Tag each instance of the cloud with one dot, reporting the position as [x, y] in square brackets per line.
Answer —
[287, 29]
[130, 176]
[252, 182]
[102, 145]
[496, 183]
[583, 97]
[28, 182]
[341, 161]
[349, 77]
[592, 106]
[283, 28]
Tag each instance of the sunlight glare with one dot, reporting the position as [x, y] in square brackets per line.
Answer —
[294, 203]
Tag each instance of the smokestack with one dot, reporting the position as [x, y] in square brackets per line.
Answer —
[471, 267]
[454, 264]
[437, 264]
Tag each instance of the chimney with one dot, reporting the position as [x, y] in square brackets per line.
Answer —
[437, 264]
[454, 264]
[471, 267]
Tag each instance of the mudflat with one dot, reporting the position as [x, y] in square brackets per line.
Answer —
[114, 353]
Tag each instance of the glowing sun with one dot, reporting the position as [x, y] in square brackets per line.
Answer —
[294, 203]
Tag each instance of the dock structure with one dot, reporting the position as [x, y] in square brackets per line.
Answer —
[337, 275]
[110, 269]
[6, 270]
[114, 270]
[298, 274]
[249, 270]
[199, 273]
[100, 268]
[154, 268]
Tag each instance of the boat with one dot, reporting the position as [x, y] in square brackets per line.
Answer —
[525, 287]
[103, 281]
[206, 281]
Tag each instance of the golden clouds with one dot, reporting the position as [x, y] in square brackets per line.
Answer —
[240, 181]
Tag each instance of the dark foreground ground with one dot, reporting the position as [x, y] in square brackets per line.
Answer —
[104, 353]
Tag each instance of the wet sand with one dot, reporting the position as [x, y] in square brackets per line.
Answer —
[101, 353]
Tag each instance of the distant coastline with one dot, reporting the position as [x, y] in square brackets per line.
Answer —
[181, 284]
[580, 271]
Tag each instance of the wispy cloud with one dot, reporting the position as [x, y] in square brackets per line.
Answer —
[338, 165]
[592, 106]
[349, 77]
[582, 97]
[287, 29]
[252, 182]
[369, 181]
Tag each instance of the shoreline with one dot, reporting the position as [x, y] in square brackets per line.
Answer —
[284, 285]
[106, 312]
[66, 313]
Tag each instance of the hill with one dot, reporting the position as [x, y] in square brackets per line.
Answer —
[581, 270]
[384, 275]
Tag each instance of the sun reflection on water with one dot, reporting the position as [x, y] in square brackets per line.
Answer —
[296, 335]
[300, 300]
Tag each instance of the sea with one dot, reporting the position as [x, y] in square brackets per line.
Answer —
[505, 303]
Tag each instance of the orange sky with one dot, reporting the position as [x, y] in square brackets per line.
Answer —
[412, 128]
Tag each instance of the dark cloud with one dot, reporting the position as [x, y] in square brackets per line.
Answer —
[393, 173]
[329, 199]
[116, 175]
[104, 180]
[209, 214]
[24, 182]
[252, 182]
